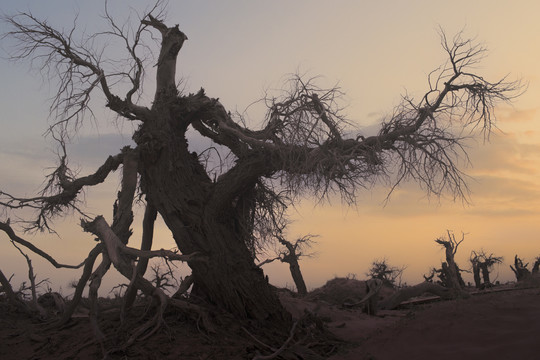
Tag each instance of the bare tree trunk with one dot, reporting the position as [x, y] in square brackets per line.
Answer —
[291, 257]
[454, 276]
[485, 275]
[520, 269]
[298, 278]
[146, 244]
[476, 275]
[181, 191]
[450, 269]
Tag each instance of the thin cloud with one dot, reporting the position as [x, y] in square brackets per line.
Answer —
[512, 115]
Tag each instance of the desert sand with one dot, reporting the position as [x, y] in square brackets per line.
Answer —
[502, 323]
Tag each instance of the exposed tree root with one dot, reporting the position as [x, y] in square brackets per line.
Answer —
[277, 352]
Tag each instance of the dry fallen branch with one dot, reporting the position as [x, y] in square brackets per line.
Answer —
[373, 286]
[417, 290]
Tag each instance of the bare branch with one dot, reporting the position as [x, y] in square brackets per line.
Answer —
[75, 67]
[123, 214]
[32, 279]
[4, 226]
[60, 193]
[149, 219]
[132, 40]
[117, 249]
[380, 269]
[81, 284]
[282, 348]
[268, 261]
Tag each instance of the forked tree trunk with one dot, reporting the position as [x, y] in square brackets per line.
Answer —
[200, 212]
[185, 197]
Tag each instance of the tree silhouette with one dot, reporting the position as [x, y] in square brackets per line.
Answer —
[290, 254]
[304, 147]
[388, 274]
[522, 272]
[483, 263]
[450, 273]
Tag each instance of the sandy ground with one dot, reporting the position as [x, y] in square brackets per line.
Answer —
[495, 325]
[503, 325]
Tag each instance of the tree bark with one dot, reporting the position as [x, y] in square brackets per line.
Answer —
[485, 274]
[298, 278]
[149, 219]
[200, 212]
[181, 191]
[476, 275]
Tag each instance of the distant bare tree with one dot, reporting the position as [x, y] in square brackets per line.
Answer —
[450, 273]
[536, 266]
[520, 269]
[382, 271]
[305, 146]
[483, 263]
[290, 254]
[162, 279]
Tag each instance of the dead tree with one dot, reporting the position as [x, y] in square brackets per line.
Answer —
[520, 269]
[303, 146]
[482, 264]
[450, 273]
[290, 255]
[536, 266]
[386, 273]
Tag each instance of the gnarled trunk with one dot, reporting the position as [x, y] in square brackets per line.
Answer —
[183, 194]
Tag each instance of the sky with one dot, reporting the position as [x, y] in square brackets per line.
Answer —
[376, 52]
